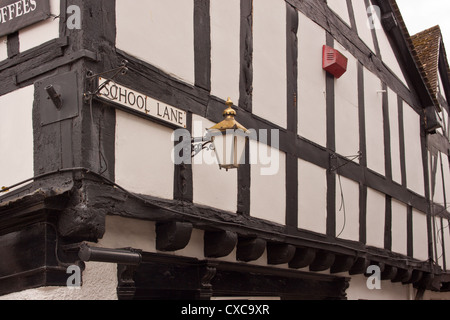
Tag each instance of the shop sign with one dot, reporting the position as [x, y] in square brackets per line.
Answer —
[18, 14]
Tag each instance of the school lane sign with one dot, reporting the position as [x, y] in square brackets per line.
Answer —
[18, 14]
[136, 101]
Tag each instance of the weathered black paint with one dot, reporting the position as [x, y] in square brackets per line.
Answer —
[202, 44]
[292, 115]
[246, 56]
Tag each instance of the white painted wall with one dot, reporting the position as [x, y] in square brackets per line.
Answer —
[375, 218]
[437, 193]
[160, 33]
[3, 48]
[420, 236]
[212, 187]
[312, 197]
[128, 233]
[413, 150]
[16, 136]
[99, 283]
[399, 227]
[346, 107]
[388, 56]
[438, 240]
[225, 49]
[446, 165]
[43, 31]
[373, 106]
[312, 116]
[446, 229]
[144, 156]
[395, 136]
[347, 209]
[268, 192]
[340, 8]
[362, 23]
[269, 61]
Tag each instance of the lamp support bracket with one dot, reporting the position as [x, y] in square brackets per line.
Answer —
[199, 144]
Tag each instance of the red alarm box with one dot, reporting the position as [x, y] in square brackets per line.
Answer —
[334, 62]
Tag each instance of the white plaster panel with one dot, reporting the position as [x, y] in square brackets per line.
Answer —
[413, 150]
[16, 136]
[3, 48]
[373, 104]
[268, 191]
[347, 209]
[212, 187]
[420, 236]
[269, 61]
[387, 54]
[160, 33]
[395, 136]
[340, 7]
[447, 243]
[225, 49]
[444, 116]
[99, 283]
[362, 23]
[399, 227]
[312, 117]
[376, 216]
[312, 198]
[445, 162]
[123, 232]
[438, 241]
[41, 32]
[144, 156]
[346, 107]
[438, 194]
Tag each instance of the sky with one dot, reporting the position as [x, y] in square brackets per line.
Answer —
[420, 15]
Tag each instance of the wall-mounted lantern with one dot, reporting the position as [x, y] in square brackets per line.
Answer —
[228, 139]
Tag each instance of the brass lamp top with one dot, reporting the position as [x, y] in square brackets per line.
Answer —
[229, 123]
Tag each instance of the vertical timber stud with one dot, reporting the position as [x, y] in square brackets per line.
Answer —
[246, 56]
[409, 227]
[363, 150]
[388, 224]
[373, 31]
[387, 134]
[245, 98]
[12, 44]
[351, 14]
[183, 184]
[401, 129]
[292, 116]
[202, 44]
[331, 146]
[426, 179]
